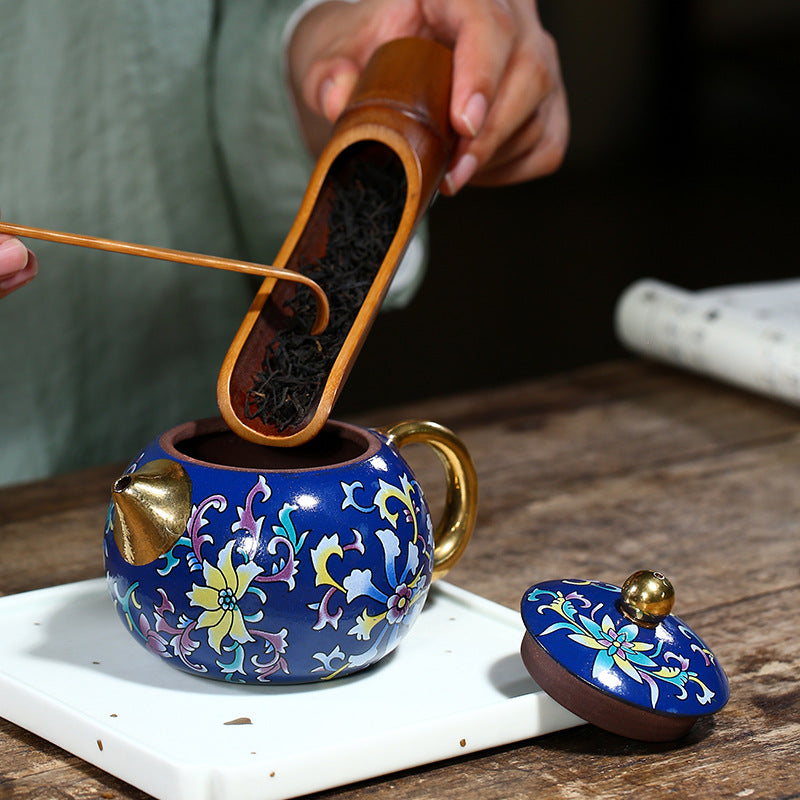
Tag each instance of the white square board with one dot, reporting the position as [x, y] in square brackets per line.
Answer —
[70, 673]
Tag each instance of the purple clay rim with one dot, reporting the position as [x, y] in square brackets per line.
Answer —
[596, 707]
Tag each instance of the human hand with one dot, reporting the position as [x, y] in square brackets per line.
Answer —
[18, 265]
[508, 102]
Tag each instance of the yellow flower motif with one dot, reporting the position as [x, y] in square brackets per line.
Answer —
[225, 587]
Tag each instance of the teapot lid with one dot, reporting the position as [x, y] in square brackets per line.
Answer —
[616, 656]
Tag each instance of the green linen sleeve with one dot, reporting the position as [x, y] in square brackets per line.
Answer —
[265, 159]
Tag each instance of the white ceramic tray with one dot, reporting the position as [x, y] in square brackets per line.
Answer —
[70, 673]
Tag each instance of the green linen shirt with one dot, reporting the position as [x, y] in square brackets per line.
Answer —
[164, 122]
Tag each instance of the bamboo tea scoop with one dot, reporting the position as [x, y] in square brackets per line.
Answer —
[177, 256]
[277, 386]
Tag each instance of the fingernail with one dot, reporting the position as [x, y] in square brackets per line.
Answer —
[324, 91]
[7, 249]
[335, 92]
[461, 173]
[474, 113]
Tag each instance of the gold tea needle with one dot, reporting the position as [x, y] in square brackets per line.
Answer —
[180, 257]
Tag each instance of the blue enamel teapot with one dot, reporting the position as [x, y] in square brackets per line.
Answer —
[257, 564]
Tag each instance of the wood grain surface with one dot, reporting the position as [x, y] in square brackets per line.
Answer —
[591, 474]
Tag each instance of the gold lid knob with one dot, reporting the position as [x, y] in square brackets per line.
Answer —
[647, 597]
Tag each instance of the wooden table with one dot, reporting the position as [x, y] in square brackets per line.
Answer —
[592, 474]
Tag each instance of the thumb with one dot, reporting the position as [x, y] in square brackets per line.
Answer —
[328, 86]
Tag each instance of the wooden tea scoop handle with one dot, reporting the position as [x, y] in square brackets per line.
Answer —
[179, 257]
[399, 107]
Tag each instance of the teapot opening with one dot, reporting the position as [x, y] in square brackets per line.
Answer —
[213, 443]
[121, 484]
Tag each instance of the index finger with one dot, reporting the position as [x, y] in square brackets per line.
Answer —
[482, 33]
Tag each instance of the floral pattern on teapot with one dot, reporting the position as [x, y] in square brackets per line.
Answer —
[208, 604]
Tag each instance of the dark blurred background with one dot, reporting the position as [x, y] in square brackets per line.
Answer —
[683, 166]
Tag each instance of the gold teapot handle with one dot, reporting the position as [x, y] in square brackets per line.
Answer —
[454, 530]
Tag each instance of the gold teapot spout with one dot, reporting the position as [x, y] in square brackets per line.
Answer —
[151, 508]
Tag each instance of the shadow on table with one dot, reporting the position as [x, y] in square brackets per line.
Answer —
[594, 741]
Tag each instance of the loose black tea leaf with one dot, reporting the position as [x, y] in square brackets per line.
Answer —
[368, 202]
